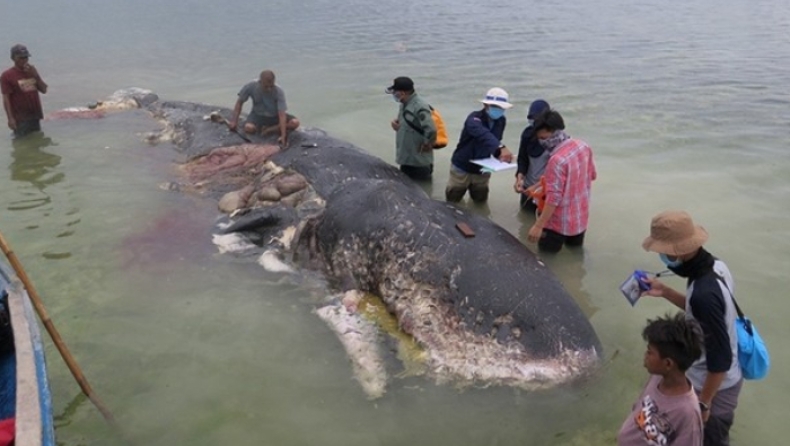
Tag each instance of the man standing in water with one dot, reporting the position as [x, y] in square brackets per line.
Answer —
[716, 376]
[481, 138]
[20, 86]
[415, 130]
[570, 172]
[532, 157]
[268, 115]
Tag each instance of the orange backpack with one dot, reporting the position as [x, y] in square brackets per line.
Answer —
[441, 129]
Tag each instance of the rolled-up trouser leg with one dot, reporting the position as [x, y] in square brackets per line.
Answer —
[457, 185]
[478, 189]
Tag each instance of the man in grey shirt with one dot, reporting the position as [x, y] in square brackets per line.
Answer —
[268, 114]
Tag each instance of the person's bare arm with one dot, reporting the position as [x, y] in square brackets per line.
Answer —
[7, 107]
[283, 121]
[234, 120]
[658, 289]
[709, 388]
[537, 229]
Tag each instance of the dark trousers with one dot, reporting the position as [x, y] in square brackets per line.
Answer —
[722, 415]
[26, 127]
[417, 172]
[527, 204]
[552, 241]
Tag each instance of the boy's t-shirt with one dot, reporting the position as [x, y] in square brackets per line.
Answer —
[658, 419]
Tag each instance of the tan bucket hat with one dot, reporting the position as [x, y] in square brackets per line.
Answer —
[674, 233]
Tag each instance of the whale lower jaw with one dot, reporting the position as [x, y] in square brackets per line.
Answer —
[454, 352]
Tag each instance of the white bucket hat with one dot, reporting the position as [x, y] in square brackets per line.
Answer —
[497, 96]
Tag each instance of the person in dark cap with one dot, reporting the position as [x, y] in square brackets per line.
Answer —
[569, 174]
[708, 299]
[20, 86]
[415, 130]
[269, 110]
[532, 157]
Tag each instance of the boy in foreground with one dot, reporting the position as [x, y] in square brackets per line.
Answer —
[668, 411]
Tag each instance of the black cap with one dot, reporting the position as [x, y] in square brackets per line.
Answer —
[19, 51]
[550, 120]
[401, 83]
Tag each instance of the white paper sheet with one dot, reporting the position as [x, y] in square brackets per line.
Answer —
[494, 165]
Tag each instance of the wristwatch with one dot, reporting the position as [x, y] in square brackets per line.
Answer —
[703, 407]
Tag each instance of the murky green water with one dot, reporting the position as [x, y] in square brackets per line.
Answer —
[685, 106]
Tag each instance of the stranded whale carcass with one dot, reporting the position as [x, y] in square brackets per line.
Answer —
[482, 309]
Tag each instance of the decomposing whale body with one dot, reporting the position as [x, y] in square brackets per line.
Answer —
[484, 310]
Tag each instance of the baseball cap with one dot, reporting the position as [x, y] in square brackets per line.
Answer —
[401, 83]
[19, 51]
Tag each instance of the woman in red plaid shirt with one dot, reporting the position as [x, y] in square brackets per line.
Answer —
[568, 177]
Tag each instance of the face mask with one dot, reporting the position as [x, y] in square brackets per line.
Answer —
[670, 263]
[495, 112]
[530, 122]
[395, 97]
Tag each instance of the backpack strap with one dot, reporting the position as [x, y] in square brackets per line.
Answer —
[724, 282]
[411, 124]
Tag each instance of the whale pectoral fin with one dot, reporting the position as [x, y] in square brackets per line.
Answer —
[262, 218]
[360, 341]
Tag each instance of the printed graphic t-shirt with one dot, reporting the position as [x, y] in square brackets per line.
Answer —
[658, 419]
[22, 92]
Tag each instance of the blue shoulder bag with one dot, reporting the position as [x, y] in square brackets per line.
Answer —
[752, 351]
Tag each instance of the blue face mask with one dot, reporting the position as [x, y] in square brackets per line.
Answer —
[495, 112]
[530, 122]
[670, 263]
[395, 97]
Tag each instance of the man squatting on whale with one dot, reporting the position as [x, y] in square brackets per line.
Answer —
[269, 109]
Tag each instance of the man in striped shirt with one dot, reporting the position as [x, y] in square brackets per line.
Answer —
[568, 177]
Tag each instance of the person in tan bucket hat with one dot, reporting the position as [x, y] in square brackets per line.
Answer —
[674, 233]
[716, 376]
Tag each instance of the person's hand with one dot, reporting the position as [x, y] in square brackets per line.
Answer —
[395, 124]
[30, 69]
[518, 186]
[505, 156]
[283, 142]
[535, 232]
[705, 416]
[12, 123]
[532, 190]
[656, 287]
[233, 124]
[426, 147]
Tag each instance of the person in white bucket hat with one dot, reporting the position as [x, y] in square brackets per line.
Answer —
[480, 138]
[497, 97]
